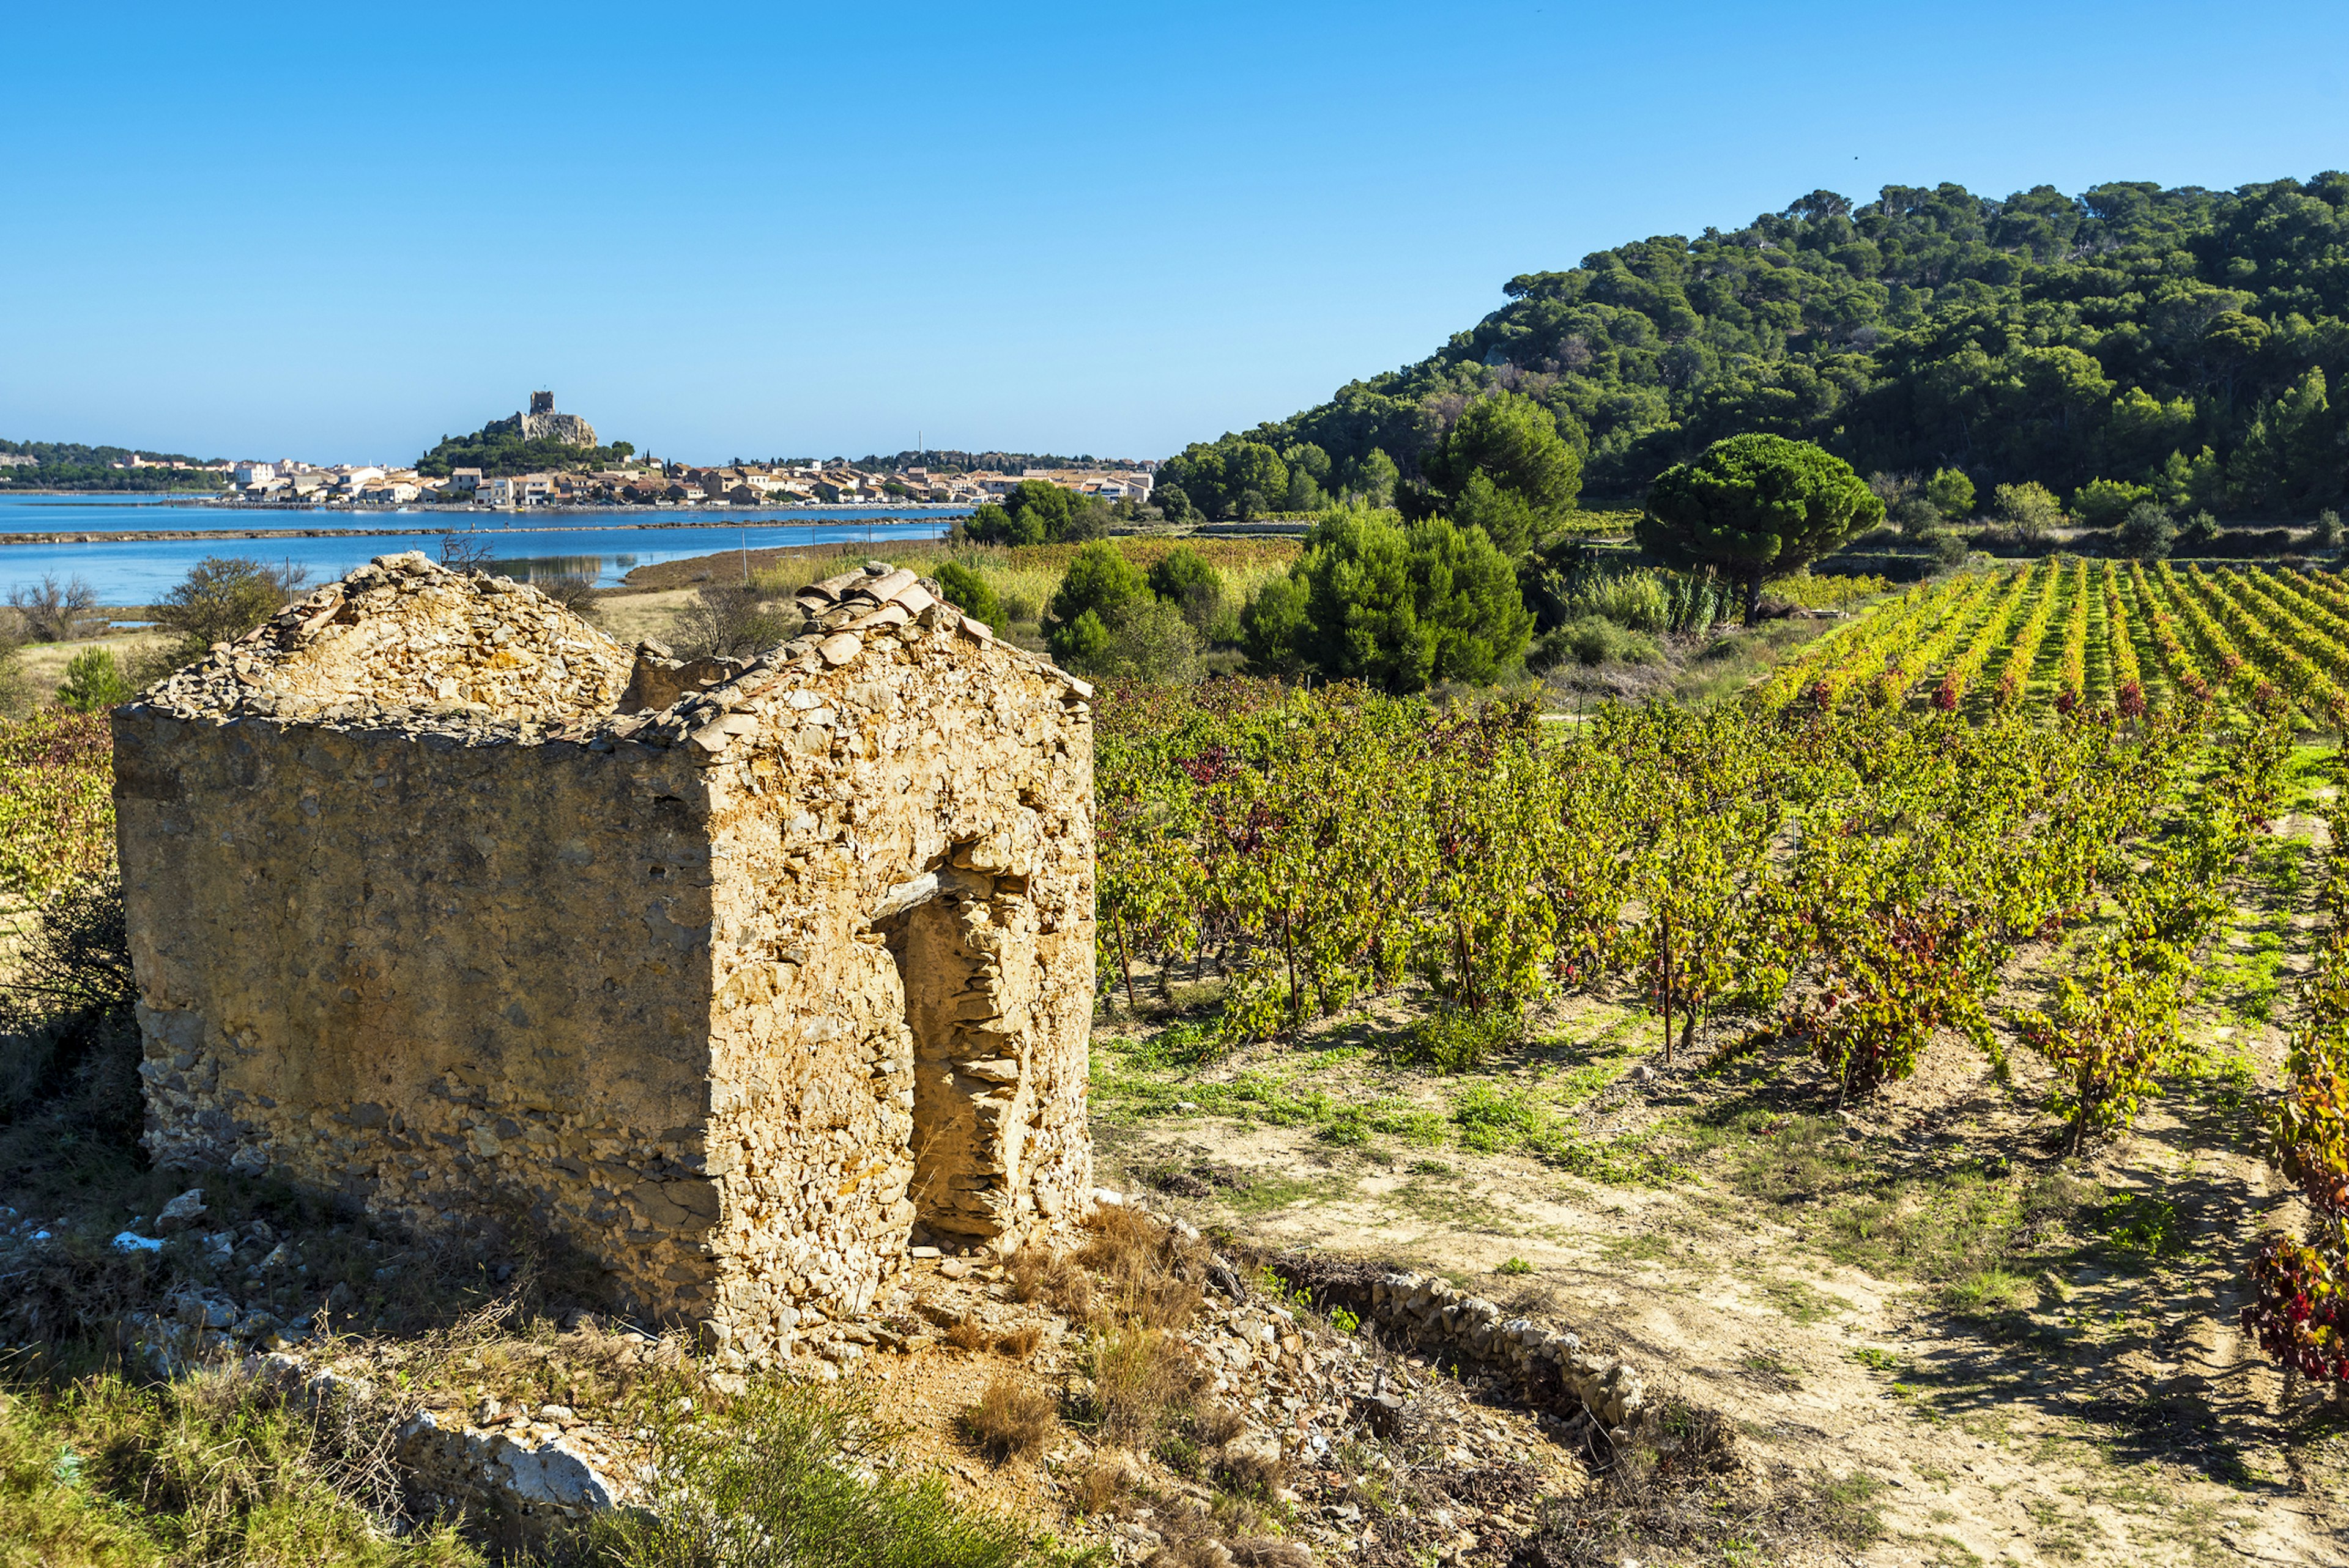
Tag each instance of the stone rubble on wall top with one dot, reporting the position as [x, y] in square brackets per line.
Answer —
[532, 672]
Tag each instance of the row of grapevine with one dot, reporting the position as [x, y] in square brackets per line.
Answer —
[1828, 666]
[2120, 650]
[2177, 663]
[2282, 671]
[2071, 669]
[2300, 1308]
[1904, 667]
[2263, 638]
[2300, 650]
[2014, 672]
[2113, 1030]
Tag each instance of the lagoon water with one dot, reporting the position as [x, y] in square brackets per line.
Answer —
[138, 571]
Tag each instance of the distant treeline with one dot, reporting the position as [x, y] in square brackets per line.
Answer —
[997, 462]
[2185, 341]
[70, 464]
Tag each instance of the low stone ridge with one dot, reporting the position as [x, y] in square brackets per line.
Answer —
[1544, 1365]
[730, 993]
[1309, 1403]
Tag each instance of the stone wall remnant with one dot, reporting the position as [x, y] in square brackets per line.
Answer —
[430, 905]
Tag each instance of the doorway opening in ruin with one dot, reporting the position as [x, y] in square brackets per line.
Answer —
[959, 1177]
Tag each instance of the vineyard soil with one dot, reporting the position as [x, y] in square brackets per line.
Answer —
[2015, 1359]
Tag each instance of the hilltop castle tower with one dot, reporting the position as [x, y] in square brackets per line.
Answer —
[544, 423]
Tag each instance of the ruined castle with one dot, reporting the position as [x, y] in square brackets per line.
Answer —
[544, 423]
[742, 976]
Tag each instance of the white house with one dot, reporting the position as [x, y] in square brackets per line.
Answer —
[253, 473]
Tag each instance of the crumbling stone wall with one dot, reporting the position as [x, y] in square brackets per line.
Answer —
[730, 993]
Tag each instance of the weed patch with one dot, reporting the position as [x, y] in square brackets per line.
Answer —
[791, 1476]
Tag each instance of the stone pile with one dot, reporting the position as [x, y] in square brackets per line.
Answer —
[404, 641]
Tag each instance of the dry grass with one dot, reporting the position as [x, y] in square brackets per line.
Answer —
[1011, 1419]
[1139, 1375]
[968, 1334]
[1023, 577]
[1150, 1275]
[1022, 1342]
[1230, 1538]
[1053, 1278]
[1099, 1484]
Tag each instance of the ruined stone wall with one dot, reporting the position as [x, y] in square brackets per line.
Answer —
[911, 776]
[729, 993]
[443, 980]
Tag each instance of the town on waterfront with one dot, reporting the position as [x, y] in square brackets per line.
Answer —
[543, 457]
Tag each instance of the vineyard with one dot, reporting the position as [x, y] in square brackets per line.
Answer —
[2111, 637]
[1893, 849]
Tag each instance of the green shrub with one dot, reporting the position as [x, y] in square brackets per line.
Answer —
[968, 592]
[1148, 641]
[2146, 533]
[791, 1477]
[1594, 640]
[1463, 1040]
[93, 681]
[1099, 582]
[222, 598]
[2101, 503]
[1951, 494]
[212, 1469]
[1183, 578]
[1396, 607]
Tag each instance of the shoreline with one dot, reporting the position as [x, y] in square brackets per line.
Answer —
[151, 535]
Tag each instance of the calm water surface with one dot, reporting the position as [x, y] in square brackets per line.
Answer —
[138, 571]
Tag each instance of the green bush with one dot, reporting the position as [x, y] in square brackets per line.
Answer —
[93, 681]
[208, 1469]
[1099, 582]
[2030, 511]
[222, 598]
[2146, 532]
[1951, 494]
[2102, 503]
[1594, 640]
[1399, 608]
[967, 590]
[1037, 512]
[1948, 545]
[1149, 640]
[1185, 579]
[790, 1476]
[1463, 1040]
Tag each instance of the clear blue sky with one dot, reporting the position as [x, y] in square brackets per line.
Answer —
[340, 230]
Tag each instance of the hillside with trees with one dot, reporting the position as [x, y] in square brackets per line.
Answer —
[500, 448]
[73, 465]
[2179, 345]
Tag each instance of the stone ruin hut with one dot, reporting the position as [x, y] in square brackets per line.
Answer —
[742, 976]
